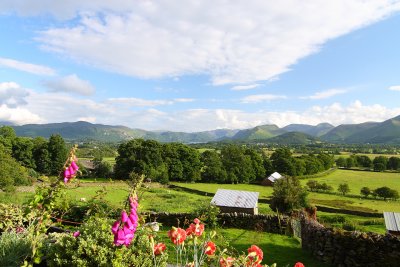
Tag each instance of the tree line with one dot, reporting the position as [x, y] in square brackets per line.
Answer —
[22, 158]
[231, 164]
[379, 163]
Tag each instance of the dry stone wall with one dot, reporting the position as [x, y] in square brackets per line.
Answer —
[345, 248]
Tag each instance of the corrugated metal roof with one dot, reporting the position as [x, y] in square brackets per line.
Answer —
[235, 198]
[275, 176]
[392, 221]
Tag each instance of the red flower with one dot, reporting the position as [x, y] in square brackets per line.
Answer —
[210, 248]
[177, 235]
[196, 229]
[226, 262]
[299, 264]
[159, 248]
[255, 256]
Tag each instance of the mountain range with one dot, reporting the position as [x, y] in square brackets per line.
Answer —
[386, 132]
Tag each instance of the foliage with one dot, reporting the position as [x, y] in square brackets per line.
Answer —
[288, 195]
[343, 188]
[11, 172]
[12, 217]
[94, 247]
[15, 248]
[315, 186]
[102, 168]
[386, 192]
[57, 152]
[365, 191]
[213, 170]
[208, 214]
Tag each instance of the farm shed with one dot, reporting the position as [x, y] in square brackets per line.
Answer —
[236, 201]
[272, 178]
[392, 222]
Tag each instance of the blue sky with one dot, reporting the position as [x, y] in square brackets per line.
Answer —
[193, 66]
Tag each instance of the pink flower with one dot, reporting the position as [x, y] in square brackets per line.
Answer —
[124, 216]
[74, 166]
[115, 227]
[76, 234]
[299, 264]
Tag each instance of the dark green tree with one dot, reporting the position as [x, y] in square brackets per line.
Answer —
[386, 192]
[393, 163]
[57, 152]
[380, 163]
[41, 155]
[341, 162]
[256, 163]
[237, 165]
[343, 188]
[288, 195]
[22, 151]
[213, 170]
[283, 162]
[365, 191]
[141, 157]
[7, 137]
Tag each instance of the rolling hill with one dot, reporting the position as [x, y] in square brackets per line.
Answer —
[340, 133]
[387, 132]
[317, 130]
[291, 138]
[258, 133]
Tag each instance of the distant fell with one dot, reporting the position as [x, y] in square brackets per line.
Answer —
[317, 130]
[292, 138]
[258, 133]
[387, 132]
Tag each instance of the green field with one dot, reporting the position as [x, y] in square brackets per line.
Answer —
[359, 179]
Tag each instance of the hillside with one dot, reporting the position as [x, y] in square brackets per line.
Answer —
[87, 131]
[80, 131]
[317, 130]
[258, 133]
[293, 138]
[340, 133]
[387, 132]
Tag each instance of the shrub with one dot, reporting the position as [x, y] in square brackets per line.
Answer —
[94, 247]
[365, 191]
[11, 217]
[15, 248]
[343, 188]
[288, 195]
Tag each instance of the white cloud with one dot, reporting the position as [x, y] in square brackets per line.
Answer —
[27, 67]
[58, 107]
[395, 88]
[261, 98]
[244, 87]
[231, 42]
[71, 83]
[12, 95]
[18, 115]
[325, 94]
[184, 100]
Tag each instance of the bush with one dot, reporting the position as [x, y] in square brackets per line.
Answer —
[15, 248]
[288, 195]
[11, 172]
[94, 247]
[11, 217]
